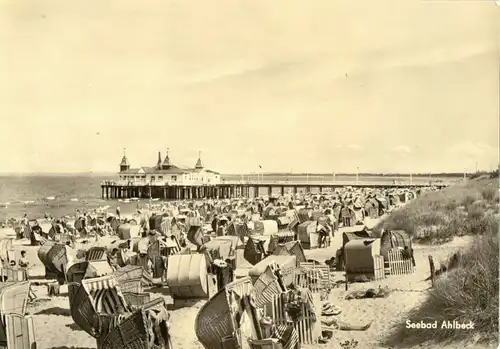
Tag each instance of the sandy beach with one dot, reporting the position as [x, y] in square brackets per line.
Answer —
[55, 328]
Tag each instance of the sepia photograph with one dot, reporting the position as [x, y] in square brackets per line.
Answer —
[249, 174]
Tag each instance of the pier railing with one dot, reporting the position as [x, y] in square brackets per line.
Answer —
[139, 183]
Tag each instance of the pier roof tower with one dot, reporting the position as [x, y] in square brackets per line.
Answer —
[166, 163]
[124, 165]
[158, 163]
[199, 164]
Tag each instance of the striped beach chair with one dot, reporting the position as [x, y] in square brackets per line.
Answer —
[398, 264]
[306, 331]
[316, 277]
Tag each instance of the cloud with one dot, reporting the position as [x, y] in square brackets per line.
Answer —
[402, 149]
[355, 147]
[470, 148]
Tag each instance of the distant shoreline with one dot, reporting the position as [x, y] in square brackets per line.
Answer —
[290, 174]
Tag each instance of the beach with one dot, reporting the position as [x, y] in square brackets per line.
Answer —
[55, 328]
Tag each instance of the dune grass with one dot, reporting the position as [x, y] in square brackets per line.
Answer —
[436, 217]
[469, 292]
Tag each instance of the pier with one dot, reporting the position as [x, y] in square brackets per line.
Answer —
[228, 190]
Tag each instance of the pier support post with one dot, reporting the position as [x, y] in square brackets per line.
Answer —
[269, 191]
[282, 190]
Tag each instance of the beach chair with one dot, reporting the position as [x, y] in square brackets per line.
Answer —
[96, 253]
[17, 330]
[316, 277]
[308, 328]
[132, 278]
[170, 246]
[398, 264]
[216, 321]
[13, 274]
[99, 307]
[87, 270]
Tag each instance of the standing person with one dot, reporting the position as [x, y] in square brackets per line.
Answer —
[24, 263]
[25, 219]
[118, 212]
[323, 232]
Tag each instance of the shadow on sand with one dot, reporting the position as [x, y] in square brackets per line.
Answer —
[159, 290]
[74, 327]
[54, 311]
[65, 347]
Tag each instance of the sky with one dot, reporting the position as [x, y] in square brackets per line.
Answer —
[302, 86]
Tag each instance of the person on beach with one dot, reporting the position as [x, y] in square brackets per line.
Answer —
[113, 259]
[222, 228]
[24, 220]
[323, 232]
[118, 212]
[23, 261]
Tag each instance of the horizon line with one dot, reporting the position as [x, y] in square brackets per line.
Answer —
[451, 173]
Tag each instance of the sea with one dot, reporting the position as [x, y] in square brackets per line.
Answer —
[62, 194]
